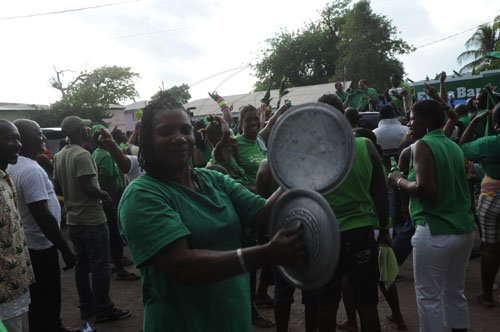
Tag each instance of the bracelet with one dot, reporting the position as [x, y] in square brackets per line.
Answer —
[222, 103]
[399, 183]
[241, 260]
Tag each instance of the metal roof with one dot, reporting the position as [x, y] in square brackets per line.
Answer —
[21, 107]
[297, 95]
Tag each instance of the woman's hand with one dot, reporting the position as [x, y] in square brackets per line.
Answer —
[392, 179]
[287, 247]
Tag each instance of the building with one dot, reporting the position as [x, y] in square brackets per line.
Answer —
[117, 119]
[14, 111]
[129, 114]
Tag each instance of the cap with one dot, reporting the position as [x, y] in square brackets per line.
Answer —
[96, 128]
[71, 123]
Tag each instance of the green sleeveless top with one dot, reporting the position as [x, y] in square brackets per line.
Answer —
[449, 211]
[352, 202]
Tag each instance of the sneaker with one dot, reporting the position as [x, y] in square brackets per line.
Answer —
[116, 314]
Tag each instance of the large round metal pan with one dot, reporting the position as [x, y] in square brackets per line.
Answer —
[321, 235]
[311, 147]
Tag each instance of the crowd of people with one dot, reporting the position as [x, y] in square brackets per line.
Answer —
[192, 200]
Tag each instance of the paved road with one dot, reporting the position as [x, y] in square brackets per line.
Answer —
[127, 295]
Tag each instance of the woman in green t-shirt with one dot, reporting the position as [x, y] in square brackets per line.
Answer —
[440, 207]
[486, 150]
[183, 227]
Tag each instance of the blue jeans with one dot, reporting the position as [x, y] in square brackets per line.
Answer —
[394, 208]
[91, 245]
[401, 244]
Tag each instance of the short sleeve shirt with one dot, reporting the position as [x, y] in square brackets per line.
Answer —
[70, 163]
[33, 185]
[106, 166]
[487, 151]
[16, 272]
[153, 214]
[251, 156]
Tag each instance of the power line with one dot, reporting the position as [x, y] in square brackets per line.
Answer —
[451, 36]
[217, 74]
[67, 10]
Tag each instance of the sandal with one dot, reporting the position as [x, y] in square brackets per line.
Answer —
[487, 304]
[261, 322]
[346, 327]
[400, 324]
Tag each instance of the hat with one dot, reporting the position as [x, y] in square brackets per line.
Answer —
[71, 123]
[96, 128]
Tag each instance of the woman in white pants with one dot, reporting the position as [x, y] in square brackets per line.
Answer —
[440, 207]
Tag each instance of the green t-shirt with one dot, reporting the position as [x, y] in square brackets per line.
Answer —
[449, 211]
[465, 120]
[352, 201]
[362, 97]
[70, 163]
[487, 151]
[153, 214]
[250, 157]
[342, 95]
[480, 129]
[106, 166]
[234, 170]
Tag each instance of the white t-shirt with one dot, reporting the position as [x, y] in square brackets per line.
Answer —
[135, 169]
[390, 133]
[33, 185]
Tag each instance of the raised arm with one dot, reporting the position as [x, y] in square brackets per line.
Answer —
[224, 107]
[266, 131]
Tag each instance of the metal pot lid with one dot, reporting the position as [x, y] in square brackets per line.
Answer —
[321, 234]
[311, 147]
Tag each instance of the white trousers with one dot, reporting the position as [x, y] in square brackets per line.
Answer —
[439, 264]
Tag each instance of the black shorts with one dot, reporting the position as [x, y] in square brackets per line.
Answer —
[358, 262]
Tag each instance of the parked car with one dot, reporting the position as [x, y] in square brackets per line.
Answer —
[53, 135]
[368, 120]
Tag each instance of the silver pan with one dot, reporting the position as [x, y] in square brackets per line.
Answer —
[311, 147]
[321, 235]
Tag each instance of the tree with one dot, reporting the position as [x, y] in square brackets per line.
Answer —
[89, 94]
[180, 93]
[351, 41]
[303, 57]
[485, 39]
[368, 45]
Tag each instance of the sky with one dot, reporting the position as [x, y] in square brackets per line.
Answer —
[206, 44]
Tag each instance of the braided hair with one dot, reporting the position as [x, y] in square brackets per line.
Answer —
[160, 102]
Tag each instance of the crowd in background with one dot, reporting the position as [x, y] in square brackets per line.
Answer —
[192, 200]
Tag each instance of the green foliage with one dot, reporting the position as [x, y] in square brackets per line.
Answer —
[368, 45]
[89, 94]
[138, 114]
[485, 39]
[351, 43]
[180, 93]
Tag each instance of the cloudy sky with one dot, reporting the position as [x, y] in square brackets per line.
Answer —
[207, 44]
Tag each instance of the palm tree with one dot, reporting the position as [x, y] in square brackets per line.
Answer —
[484, 40]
